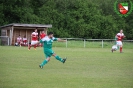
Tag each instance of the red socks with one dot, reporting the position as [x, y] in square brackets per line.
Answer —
[120, 49]
[31, 45]
[35, 46]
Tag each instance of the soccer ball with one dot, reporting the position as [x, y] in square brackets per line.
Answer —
[114, 47]
[16, 44]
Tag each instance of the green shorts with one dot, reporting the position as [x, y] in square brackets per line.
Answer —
[48, 52]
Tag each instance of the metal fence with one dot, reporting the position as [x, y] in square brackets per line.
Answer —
[93, 42]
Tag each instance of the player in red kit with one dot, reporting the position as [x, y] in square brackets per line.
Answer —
[119, 38]
[34, 39]
[42, 35]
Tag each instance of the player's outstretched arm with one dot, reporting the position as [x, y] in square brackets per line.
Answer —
[60, 40]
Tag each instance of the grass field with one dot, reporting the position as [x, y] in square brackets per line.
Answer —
[84, 68]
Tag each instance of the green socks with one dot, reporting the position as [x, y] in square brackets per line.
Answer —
[58, 58]
[44, 62]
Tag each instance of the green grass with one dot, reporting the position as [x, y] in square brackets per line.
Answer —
[84, 68]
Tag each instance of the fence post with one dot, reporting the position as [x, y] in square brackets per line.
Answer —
[66, 43]
[8, 41]
[102, 43]
[84, 43]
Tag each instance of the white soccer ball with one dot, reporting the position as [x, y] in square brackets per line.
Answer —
[16, 44]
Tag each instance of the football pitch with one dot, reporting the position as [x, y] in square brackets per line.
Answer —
[84, 68]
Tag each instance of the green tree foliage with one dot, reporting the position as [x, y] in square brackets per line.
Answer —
[70, 18]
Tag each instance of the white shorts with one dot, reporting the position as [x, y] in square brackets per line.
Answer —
[119, 43]
[33, 42]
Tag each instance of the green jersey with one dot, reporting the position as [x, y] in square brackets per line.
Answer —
[47, 42]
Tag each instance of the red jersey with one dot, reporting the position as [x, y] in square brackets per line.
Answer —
[120, 36]
[34, 36]
[42, 35]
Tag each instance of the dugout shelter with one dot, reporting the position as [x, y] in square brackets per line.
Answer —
[10, 32]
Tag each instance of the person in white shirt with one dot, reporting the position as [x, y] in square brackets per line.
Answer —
[24, 41]
[19, 40]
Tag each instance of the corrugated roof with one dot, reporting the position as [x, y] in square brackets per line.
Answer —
[27, 25]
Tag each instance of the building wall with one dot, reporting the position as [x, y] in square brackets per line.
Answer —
[22, 33]
[4, 31]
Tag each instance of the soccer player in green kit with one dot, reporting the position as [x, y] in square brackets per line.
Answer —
[47, 46]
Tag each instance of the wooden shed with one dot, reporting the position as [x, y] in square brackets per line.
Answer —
[12, 31]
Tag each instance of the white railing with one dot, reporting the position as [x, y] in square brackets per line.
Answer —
[99, 40]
